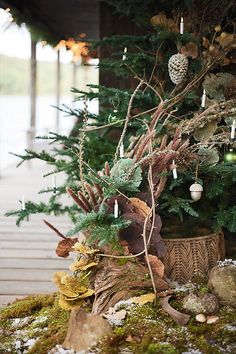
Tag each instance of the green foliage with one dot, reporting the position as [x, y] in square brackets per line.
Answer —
[226, 218]
[101, 226]
[177, 205]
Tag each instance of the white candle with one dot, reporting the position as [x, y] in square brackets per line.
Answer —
[124, 55]
[233, 127]
[23, 202]
[203, 103]
[54, 183]
[116, 209]
[122, 150]
[174, 170]
[181, 26]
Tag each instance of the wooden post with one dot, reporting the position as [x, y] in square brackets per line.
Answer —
[33, 73]
[58, 82]
[74, 83]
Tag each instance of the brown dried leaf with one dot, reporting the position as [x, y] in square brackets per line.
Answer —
[190, 50]
[64, 247]
[205, 42]
[157, 266]
[141, 207]
[166, 23]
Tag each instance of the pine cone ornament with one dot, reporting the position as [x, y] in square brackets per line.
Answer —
[178, 67]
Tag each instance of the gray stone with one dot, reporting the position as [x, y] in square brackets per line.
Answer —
[85, 330]
[222, 282]
[203, 303]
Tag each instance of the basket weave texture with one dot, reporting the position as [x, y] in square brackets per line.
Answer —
[186, 257]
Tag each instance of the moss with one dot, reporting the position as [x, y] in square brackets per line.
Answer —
[147, 329]
[27, 306]
[161, 348]
[49, 332]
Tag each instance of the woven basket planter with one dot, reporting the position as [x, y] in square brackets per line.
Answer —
[187, 257]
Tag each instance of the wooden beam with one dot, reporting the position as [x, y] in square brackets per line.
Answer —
[58, 91]
[33, 93]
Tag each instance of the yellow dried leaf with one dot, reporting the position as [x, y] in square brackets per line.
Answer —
[78, 266]
[161, 20]
[225, 39]
[87, 293]
[84, 249]
[69, 305]
[58, 276]
[143, 299]
[190, 50]
[141, 207]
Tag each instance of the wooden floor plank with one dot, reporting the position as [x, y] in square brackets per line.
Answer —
[14, 263]
[33, 245]
[27, 287]
[28, 253]
[28, 274]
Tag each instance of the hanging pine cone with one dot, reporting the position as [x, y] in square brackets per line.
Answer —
[178, 67]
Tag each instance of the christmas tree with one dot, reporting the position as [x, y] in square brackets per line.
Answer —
[157, 160]
[183, 72]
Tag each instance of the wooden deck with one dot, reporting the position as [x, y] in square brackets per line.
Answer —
[27, 253]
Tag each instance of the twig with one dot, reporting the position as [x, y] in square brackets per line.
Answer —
[146, 254]
[54, 229]
[127, 119]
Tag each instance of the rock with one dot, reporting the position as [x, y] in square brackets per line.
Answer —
[212, 319]
[203, 303]
[222, 282]
[201, 318]
[85, 330]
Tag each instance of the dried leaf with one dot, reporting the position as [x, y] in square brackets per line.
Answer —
[143, 299]
[157, 266]
[161, 20]
[84, 249]
[69, 305]
[190, 50]
[64, 247]
[141, 207]
[225, 39]
[205, 132]
[82, 265]
[205, 42]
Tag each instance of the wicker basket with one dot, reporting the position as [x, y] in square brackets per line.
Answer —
[187, 257]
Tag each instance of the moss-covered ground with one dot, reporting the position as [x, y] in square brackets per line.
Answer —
[36, 324]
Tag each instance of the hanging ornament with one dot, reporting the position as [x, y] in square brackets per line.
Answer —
[230, 155]
[196, 190]
[113, 117]
[178, 67]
